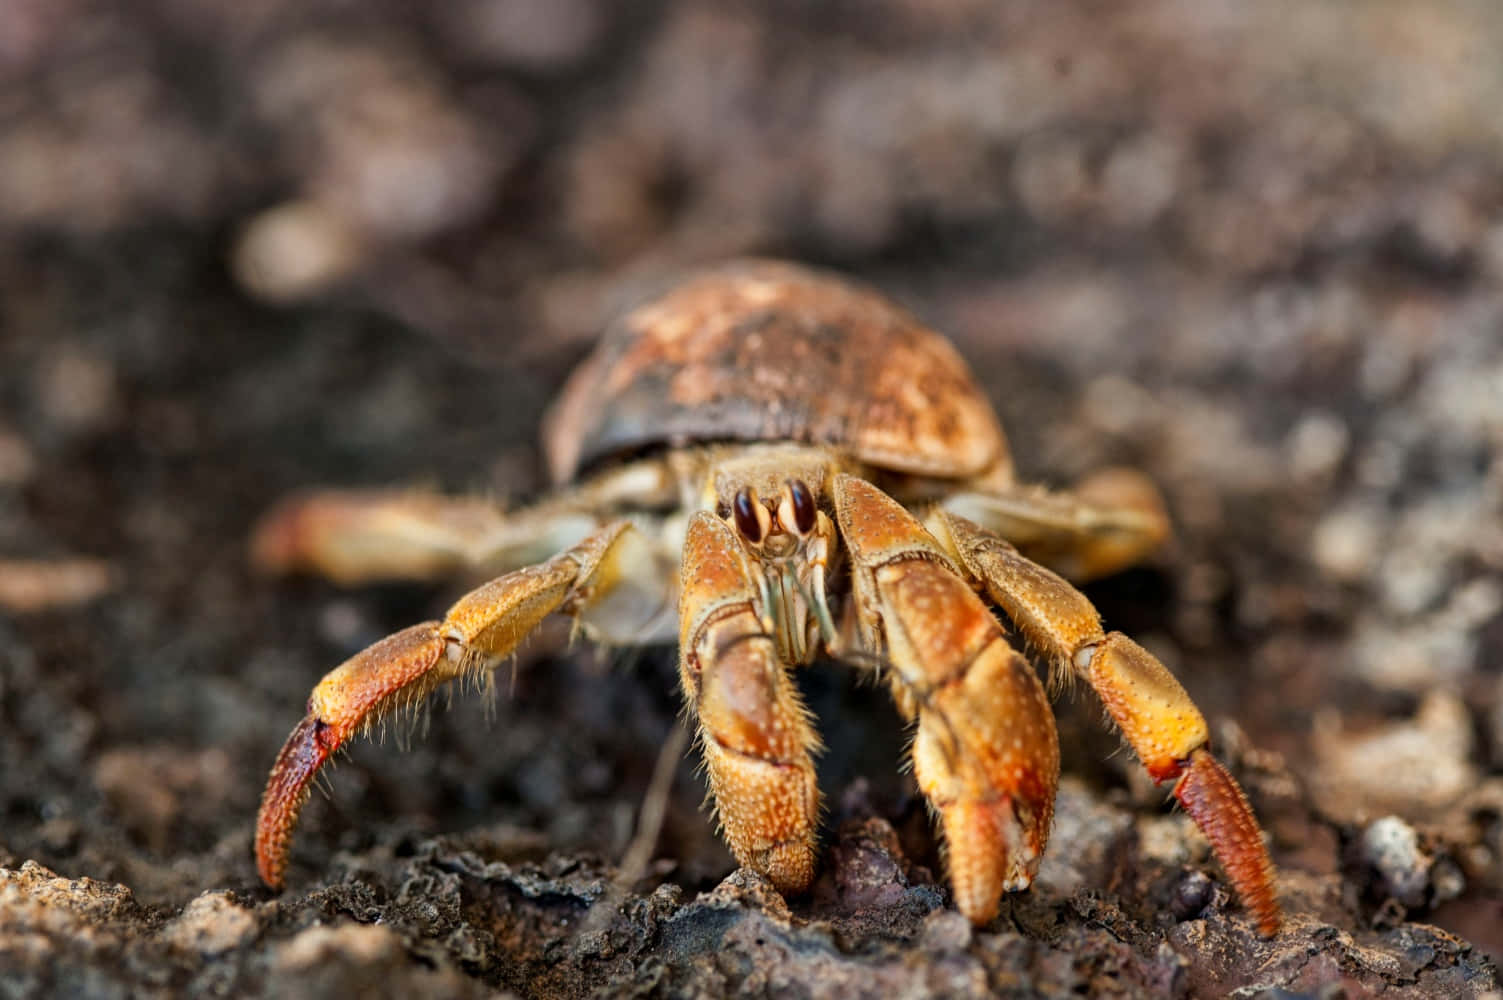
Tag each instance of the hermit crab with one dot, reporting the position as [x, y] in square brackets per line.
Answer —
[773, 466]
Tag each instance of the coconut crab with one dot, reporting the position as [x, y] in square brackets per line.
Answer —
[798, 468]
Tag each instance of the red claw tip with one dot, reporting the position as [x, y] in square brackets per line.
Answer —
[1216, 802]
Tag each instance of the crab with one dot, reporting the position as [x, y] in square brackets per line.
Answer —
[773, 465]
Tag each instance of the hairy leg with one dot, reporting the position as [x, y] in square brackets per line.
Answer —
[484, 626]
[1155, 714]
[755, 732]
[986, 754]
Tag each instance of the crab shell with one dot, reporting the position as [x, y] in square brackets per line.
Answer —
[760, 351]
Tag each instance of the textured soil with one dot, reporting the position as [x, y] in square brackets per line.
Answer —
[1254, 250]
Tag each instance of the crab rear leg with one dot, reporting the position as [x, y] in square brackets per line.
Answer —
[1152, 709]
[755, 732]
[986, 753]
[356, 536]
[1106, 523]
[484, 626]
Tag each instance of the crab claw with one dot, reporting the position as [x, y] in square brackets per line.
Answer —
[992, 847]
[987, 756]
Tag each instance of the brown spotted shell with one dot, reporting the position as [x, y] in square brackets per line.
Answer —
[762, 351]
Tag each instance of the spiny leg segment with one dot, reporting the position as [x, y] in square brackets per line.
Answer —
[986, 754]
[484, 626]
[1155, 714]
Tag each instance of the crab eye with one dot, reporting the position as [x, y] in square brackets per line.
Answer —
[745, 510]
[803, 506]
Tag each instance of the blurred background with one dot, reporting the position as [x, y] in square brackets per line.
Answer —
[1253, 249]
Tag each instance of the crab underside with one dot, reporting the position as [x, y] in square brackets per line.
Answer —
[799, 469]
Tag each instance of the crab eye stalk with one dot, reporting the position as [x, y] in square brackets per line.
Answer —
[749, 515]
[802, 503]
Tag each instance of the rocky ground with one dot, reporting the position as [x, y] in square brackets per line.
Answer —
[1255, 250]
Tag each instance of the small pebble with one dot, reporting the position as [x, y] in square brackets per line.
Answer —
[1391, 847]
[1192, 895]
[946, 932]
[293, 251]
[1346, 544]
[358, 943]
[1317, 445]
[211, 924]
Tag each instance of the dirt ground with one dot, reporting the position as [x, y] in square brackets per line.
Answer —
[1254, 250]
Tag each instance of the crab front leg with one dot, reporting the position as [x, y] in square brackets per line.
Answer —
[986, 754]
[1155, 714]
[755, 732]
[484, 626]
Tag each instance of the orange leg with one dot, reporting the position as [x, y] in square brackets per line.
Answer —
[986, 753]
[484, 626]
[1152, 709]
[756, 734]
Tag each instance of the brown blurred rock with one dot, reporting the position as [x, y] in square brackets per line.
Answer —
[28, 586]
